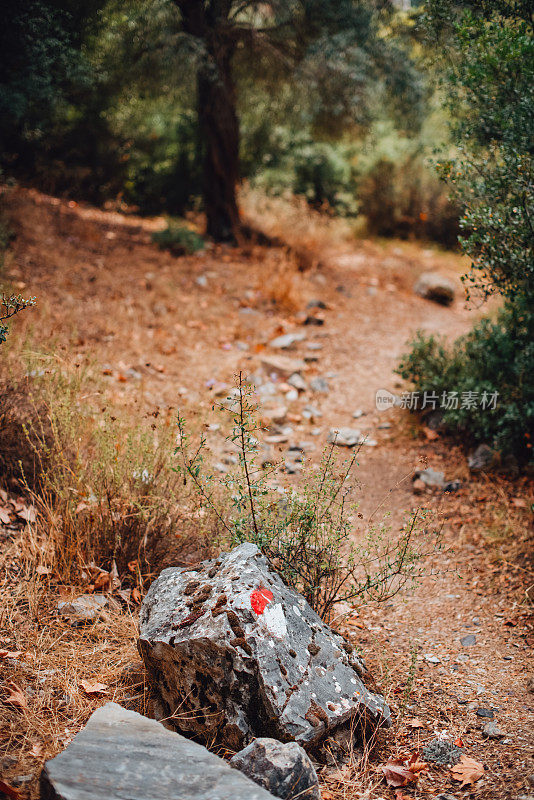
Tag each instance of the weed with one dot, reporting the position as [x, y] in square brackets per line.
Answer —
[179, 239]
[306, 535]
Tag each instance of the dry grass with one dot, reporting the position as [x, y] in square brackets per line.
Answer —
[308, 234]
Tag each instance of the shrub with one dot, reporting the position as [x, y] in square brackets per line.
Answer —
[306, 535]
[178, 239]
[496, 358]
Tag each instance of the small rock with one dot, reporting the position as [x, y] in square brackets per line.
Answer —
[345, 437]
[316, 304]
[432, 659]
[430, 477]
[452, 486]
[469, 640]
[314, 345]
[292, 467]
[285, 770]
[319, 385]
[283, 366]
[357, 414]
[84, 609]
[287, 340]
[311, 413]
[120, 754]
[482, 459]
[439, 751]
[492, 731]
[436, 287]
[418, 486]
[297, 382]
[485, 712]
[277, 415]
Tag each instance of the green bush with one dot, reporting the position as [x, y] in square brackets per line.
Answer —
[178, 239]
[494, 357]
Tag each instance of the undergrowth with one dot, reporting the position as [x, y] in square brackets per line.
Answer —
[307, 535]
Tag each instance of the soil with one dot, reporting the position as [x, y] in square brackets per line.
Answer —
[164, 331]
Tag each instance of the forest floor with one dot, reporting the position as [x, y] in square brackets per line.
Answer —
[167, 332]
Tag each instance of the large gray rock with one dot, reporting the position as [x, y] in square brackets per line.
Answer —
[436, 287]
[233, 654]
[120, 755]
[284, 769]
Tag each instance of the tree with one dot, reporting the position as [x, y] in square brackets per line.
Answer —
[333, 47]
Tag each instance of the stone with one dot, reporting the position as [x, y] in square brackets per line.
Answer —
[84, 609]
[277, 415]
[282, 366]
[311, 412]
[297, 382]
[357, 414]
[469, 640]
[121, 755]
[345, 437]
[284, 769]
[492, 731]
[436, 287]
[440, 751]
[287, 340]
[319, 385]
[484, 712]
[482, 459]
[418, 486]
[452, 486]
[316, 304]
[233, 654]
[430, 477]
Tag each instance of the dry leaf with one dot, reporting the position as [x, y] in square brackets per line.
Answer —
[93, 688]
[430, 434]
[9, 791]
[40, 570]
[10, 653]
[416, 723]
[397, 773]
[136, 596]
[467, 771]
[15, 696]
[4, 516]
[28, 514]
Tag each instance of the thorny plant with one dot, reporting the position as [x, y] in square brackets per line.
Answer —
[9, 306]
[306, 535]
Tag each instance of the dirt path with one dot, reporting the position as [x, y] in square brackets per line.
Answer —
[165, 330]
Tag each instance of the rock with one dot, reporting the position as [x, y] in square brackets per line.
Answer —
[84, 609]
[319, 385]
[430, 477]
[287, 340]
[357, 414]
[436, 287]
[418, 486]
[285, 770]
[492, 731]
[469, 640]
[277, 415]
[482, 459]
[297, 382]
[345, 437]
[316, 304]
[234, 654]
[439, 751]
[452, 486]
[430, 659]
[120, 754]
[484, 712]
[312, 413]
[283, 366]
[314, 345]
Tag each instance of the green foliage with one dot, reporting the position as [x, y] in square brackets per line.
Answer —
[306, 535]
[9, 306]
[494, 357]
[179, 239]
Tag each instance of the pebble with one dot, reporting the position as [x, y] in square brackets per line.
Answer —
[297, 382]
[485, 712]
[319, 385]
[492, 731]
[357, 414]
[469, 640]
[311, 412]
[287, 340]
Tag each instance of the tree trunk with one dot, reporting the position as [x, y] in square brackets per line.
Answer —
[219, 129]
[217, 116]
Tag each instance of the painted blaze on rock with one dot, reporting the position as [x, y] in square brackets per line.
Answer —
[233, 654]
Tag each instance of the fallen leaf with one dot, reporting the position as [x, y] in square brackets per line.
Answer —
[15, 696]
[93, 687]
[37, 750]
[4, 516]
[397, 773]
[132, 565]
[416, 723]
[9, 791]
[136, 596]
[399, 795]
[430, 434]
[10, 653]
[102, 581]
[458, 742]
[467, 771]
[40, 570]
[28, 514]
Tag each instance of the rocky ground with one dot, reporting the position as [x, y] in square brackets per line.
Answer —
[452, 654]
